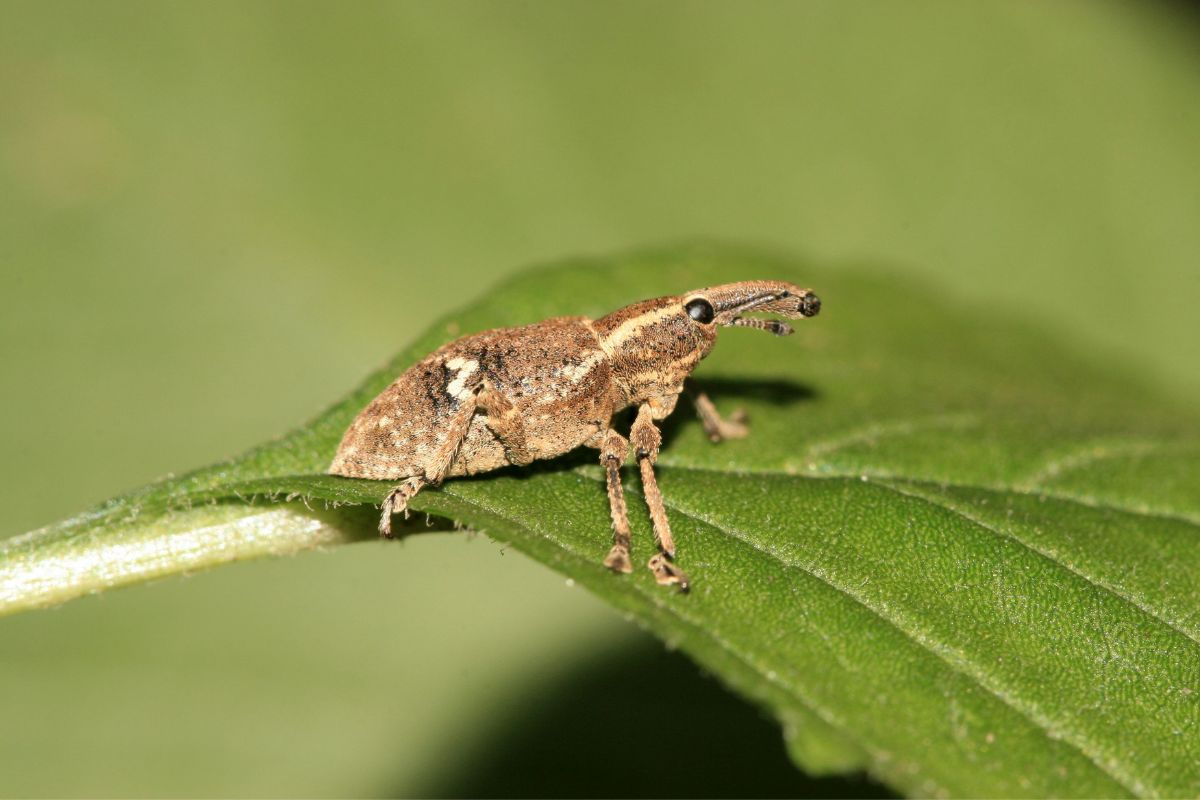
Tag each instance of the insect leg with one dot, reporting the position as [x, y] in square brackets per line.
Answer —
[456, 431]
[646, 441]
[435, 468]
[397, 502]
[506, 423]
[613, 450]
[719, 429]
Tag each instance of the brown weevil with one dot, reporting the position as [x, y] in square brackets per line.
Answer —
[512, 395]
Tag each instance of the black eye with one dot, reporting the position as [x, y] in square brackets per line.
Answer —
[700, 310]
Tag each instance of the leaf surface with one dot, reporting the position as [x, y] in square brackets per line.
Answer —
[949, 552]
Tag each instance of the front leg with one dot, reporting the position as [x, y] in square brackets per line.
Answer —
[646, 441]
[719, 429]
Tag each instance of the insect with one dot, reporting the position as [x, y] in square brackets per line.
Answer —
[512, 395]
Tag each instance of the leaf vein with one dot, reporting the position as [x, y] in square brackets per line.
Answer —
[1094, 581]
[1087, 456]
[1180, 517]
[928, 643]
[939, 649]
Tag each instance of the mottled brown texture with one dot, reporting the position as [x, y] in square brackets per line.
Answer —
[512, 395]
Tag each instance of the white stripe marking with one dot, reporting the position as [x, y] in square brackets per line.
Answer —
[464, 369]
[631, 327]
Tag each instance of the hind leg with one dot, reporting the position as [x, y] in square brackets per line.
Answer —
[506, 424]
[435, 467]
[396, 502]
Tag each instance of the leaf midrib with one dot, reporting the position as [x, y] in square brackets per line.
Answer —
[922, 639]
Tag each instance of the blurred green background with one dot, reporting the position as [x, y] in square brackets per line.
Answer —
[216, 218]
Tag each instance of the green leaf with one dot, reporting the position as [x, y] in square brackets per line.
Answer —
[949, 552]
